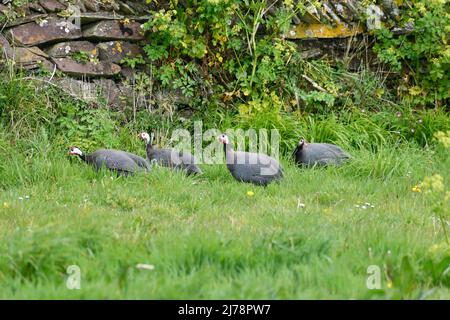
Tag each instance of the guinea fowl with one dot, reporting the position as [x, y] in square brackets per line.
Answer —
[170, 158]
[256, 168]
[120, 162]
[322, 154]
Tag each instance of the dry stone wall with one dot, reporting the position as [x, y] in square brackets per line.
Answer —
[82, 43]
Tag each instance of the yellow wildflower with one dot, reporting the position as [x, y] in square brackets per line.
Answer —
[443, 138]
[250, 194]
[416, 188]
[219, 57]
[433, 183]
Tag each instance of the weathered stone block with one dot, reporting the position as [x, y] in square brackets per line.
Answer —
[65, 49]
[52, 5]
[88, 17]
[46, 31]
[4, 44]
[24, 56]
[87, 69]
[114, 30]
[322, 31]
[91, 91]
[115, 51]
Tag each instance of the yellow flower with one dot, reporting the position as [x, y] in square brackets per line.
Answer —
[443, 138]
[250, 194]
[416, 188]
[442, 247]
[389, 284]
[433, 183]
[5, 205]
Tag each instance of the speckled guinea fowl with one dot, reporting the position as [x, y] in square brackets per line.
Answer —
[256, 168]
[321, 154]
[120, 162]
[171, 158]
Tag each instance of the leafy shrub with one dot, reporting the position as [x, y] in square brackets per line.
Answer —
[212, 47]
[423, 55]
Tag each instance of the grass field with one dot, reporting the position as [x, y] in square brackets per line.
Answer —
[207, 238]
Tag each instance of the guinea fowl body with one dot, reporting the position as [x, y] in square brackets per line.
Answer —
[171, 158]
[256, 168]
[321, 154]
[120, 162]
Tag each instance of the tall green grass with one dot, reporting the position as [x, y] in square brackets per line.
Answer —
[206, 238]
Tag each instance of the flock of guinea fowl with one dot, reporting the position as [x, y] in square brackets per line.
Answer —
[256, 168]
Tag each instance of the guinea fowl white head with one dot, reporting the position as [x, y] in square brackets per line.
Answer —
[145, 136]
[223, 138]
[74, 151]
[302, 142]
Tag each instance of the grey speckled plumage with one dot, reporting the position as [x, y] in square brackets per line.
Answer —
[171, 158]
[120, 162]
[256, 168]
[321, 154]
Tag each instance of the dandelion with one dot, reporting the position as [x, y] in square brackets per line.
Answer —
[5, 205]
[250, 194]
[390, 285]
[416, 189]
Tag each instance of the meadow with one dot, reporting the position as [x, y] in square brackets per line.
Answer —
[162, 235]
[375, 228]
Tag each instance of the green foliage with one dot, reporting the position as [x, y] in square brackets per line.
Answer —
[83, 57]
[133, 62]
[234, 54]
[211, 47]
[423, 56]
[27, 107]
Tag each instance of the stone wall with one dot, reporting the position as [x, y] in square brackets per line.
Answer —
[81, 44]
